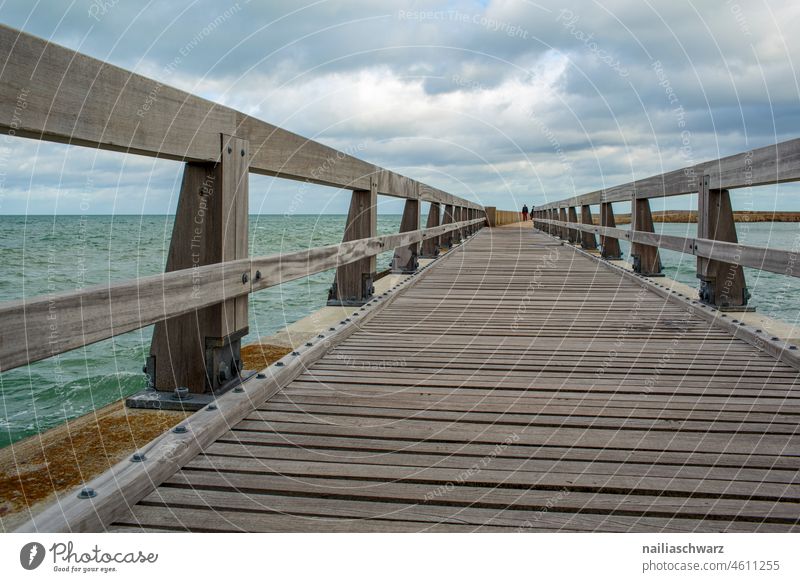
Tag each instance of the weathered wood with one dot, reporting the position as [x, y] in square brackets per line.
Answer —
[563, 232]
[572, 233]
[353, 283]
[448, 218]
[588, 240]
[197, 349]
[126, 483]
[645, 258]
[722, 284]
[579, 431]
[430, 246]
[774, 164]
[71, 98]
[406, 258]
[609, 245]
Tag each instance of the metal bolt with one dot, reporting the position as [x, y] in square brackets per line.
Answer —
[320, 336]
[331, 329]
[279, 364]
[245, 277]
[212, 407]
[238, 389]
[242, 153]
[775, 338]
[261, 376]
[735, 321]
[87, 493]
[295, 353]
[258, 275]
[181, 393]
[309, 344]
[138, 458]
[180, 429]
[792, 347]
[230, 149]
[223, 375]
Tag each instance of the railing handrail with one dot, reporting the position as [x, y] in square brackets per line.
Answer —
[52, 93]
[774, 164]
[89, 315]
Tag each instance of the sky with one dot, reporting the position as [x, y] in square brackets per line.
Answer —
[504, 102]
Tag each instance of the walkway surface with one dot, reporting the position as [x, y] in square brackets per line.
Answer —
[518, 385]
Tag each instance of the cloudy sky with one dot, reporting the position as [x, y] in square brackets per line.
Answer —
[504, 102]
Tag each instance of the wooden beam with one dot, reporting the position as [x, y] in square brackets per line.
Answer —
[563, 233]
[200, 350]
[406, 258]
[447, 239]
[430, 247]
[646, 259]
[722, 284]
[72, 98]
[609, 246]
[353, 284]
[572, 234]
[588, 240]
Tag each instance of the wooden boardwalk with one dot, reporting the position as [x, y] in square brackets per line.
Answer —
[518, 385]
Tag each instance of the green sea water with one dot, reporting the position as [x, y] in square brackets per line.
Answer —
[41, 255]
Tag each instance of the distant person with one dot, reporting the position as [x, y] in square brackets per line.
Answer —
[525, 213]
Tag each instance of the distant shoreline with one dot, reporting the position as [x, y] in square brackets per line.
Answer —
[684, 216]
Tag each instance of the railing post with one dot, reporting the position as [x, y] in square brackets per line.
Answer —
[353, 284]
[430, 246]
[563, 232]
[721, 284]
[552, 214]
[405, 258]
[588, 240]
[646, 259]
[609, 246]
[447, 238]
[200, 350]
[572, 233]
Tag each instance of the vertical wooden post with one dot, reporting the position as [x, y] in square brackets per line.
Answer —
[721, 284]
[353, 284]
[200, 350]
[573, 233]
[562, 230]
[588, 240]
[609, 246]
[430, 246]
[405, 258]
[646, 259]
[447, 238]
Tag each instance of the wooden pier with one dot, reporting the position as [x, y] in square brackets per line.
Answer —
[524, 380]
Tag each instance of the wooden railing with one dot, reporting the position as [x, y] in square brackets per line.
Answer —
[720, 257]
[199, 305]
